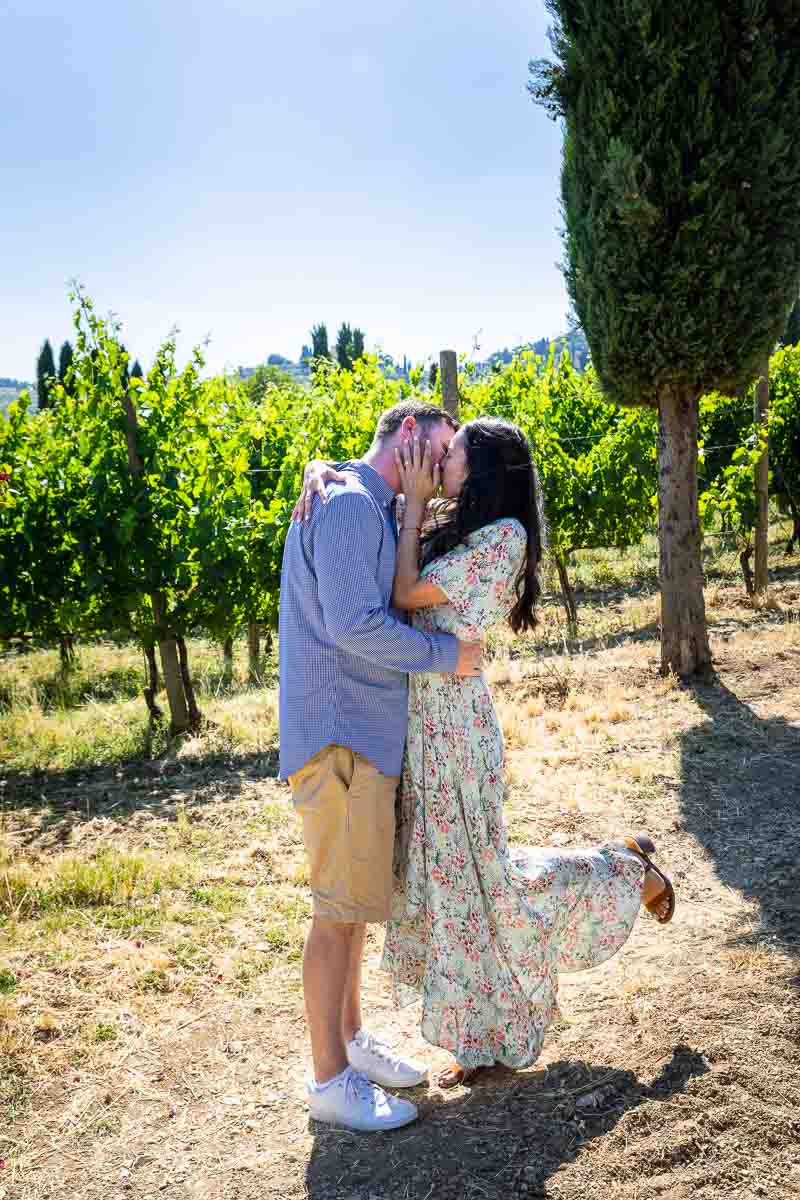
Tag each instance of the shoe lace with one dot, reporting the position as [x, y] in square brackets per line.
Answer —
[357, 1087]
[379, 1049]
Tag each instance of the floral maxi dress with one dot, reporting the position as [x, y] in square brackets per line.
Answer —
[479, 930]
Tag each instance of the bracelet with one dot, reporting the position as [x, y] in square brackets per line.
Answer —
[410, 529]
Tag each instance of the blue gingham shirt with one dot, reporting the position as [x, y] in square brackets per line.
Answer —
[344, 653]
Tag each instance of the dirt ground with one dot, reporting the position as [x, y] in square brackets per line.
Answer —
[673, 1071]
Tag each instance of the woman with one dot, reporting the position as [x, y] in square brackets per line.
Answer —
[481, 931]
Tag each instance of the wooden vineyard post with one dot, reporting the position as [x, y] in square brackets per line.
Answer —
[761, 415]
[448, 373]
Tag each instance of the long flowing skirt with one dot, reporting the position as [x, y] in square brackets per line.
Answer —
[481, 931]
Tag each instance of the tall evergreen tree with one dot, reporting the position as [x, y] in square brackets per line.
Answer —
[45, 374]
[136, 370]
[65, 356]
[433, 373]
[680, 185]
[358, 344]
[319, 341]
[344, 346]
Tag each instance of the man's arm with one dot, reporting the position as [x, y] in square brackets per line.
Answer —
[347, 543]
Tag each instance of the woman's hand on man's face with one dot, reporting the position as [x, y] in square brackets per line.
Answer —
[419, 479]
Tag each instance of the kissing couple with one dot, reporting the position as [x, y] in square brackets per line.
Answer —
[394, 754]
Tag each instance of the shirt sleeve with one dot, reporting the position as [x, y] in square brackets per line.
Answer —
[478, 577]
[346, 552]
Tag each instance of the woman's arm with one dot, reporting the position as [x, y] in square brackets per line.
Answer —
[419, 481]
[315, 475]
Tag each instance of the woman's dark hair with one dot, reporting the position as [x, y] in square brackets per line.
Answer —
[501, 481]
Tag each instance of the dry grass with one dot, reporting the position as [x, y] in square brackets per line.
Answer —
[95, 714]
[153, 910]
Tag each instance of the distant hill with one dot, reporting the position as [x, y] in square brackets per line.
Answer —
[574, 343]
[11, 388]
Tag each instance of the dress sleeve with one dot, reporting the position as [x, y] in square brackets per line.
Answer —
[478, 577]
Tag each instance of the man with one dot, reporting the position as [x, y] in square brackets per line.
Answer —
[344, 659]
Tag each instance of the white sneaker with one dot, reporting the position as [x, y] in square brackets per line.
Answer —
[379, 1063]
[353, 1101]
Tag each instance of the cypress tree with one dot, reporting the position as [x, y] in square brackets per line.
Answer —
[680, 184]
[136, 370]
[45, 374]
[65, 356]
[319, 341]
[358, 344]
[344, 346]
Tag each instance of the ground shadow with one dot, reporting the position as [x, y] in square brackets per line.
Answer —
[60, 799]
[740, 797]
[506, 1137]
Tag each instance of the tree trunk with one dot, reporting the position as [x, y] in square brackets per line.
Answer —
[795, 538]
[448, 372]
[170, 665]
[761, 582]
[151, 688]
[744, 562]
[684, 638]
[195, 716]
[567, 595]
[253, 651]
[227, 662]
[66, 651]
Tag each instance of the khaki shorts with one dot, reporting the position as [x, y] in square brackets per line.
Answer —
[347, 806]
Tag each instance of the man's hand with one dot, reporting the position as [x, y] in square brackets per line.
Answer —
[470, 658]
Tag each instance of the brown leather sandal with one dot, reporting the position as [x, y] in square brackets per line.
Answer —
[643, 846]
[453, 1076]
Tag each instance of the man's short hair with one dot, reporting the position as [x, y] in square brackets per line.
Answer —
[426, 415]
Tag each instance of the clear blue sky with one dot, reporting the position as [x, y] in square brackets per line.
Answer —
[246, 168]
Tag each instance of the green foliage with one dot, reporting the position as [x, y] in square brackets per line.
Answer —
[596, 461]
[680, 180]
[728, 473]
[784, 430]
[319, 342]
[725, 423]
[86, 541]
[335, 420]
[344, 346]
[732, 495]
[44, 524]
[45, 374]
[65, 356]
[256, 384]
[349, 346]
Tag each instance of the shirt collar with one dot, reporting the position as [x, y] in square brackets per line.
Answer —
[373, 482]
